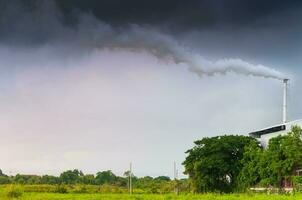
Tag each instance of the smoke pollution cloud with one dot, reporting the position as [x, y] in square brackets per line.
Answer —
[180, 16]
[44, 26]
[164, 47]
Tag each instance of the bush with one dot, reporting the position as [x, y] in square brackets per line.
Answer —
[4, 180]
[39, 188]
[297, 182]
[106, 188]
[62, 189]
[14, 192]
[81, 189]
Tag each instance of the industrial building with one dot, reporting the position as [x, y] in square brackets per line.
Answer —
[264, 135]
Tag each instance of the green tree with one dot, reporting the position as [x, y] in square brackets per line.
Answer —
[71, 176]
[127, 175]
[27, 179]
[251, 161]
[105, 177]
[162, 178]
[87, 179]
[282, 157]
[292, 148]
[121, 181]
[47, 179]
[4, 180]
[270, 167]
[214, 164]
[148, 184]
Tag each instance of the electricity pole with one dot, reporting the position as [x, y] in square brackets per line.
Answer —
[175, 179]
[130, 179]
[174, 170]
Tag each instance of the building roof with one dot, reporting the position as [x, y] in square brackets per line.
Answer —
[273, 129]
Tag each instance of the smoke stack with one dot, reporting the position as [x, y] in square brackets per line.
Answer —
[285, 82]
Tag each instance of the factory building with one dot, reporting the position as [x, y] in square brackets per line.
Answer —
[264, 135]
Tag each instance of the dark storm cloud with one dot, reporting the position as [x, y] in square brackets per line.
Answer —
[152, 26]
[181, 14]
[176, 15]
[41, 22]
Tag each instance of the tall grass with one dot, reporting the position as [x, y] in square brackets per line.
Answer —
[13, 191]
[86, 192]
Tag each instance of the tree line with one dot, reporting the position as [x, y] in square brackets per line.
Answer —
[76, 176]
[232, 163]
[147, 184]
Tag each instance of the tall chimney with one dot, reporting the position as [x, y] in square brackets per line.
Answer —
[285, 81]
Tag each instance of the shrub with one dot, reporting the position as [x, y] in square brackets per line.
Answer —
[14, 192]
[61, 189]
[81, 189]
[4, 180]
[297, 182]
[106, 188]
[39, 188]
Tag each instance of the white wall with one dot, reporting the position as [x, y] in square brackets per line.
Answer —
[264, 139]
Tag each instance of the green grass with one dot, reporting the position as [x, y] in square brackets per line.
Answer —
[25, 195]
[53, 196]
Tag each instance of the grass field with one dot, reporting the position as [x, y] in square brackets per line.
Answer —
[20, 194]
[53, 196]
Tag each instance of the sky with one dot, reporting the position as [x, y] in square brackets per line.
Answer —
[97, 84]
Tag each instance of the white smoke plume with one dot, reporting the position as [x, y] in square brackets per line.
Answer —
[136, 38]
[44, 26]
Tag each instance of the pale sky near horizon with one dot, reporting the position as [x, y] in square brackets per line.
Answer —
[65, 106]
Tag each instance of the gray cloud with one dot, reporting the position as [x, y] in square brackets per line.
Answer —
[181, 15]
[40, 20]
[42, 25]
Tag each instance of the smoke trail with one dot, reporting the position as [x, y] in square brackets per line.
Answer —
[44, 26]
[162, 46]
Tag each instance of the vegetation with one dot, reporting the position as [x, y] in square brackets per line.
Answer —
[220, 164]
[276, 165]
[21, 192]
[214, 163]
[14, 192]
[75, 181]
[236, 163]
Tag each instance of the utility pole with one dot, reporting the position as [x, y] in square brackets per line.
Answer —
[175, 179]
[174, 170]
[130, 179]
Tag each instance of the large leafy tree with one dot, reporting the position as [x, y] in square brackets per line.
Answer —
[105, 177]
[282, 158]
[162, 178]
[48, 179]
[274, 164]
[252, 159]
[27, 179]
[71, 176]
[87, 179]
[214, 164]
[4, 179]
